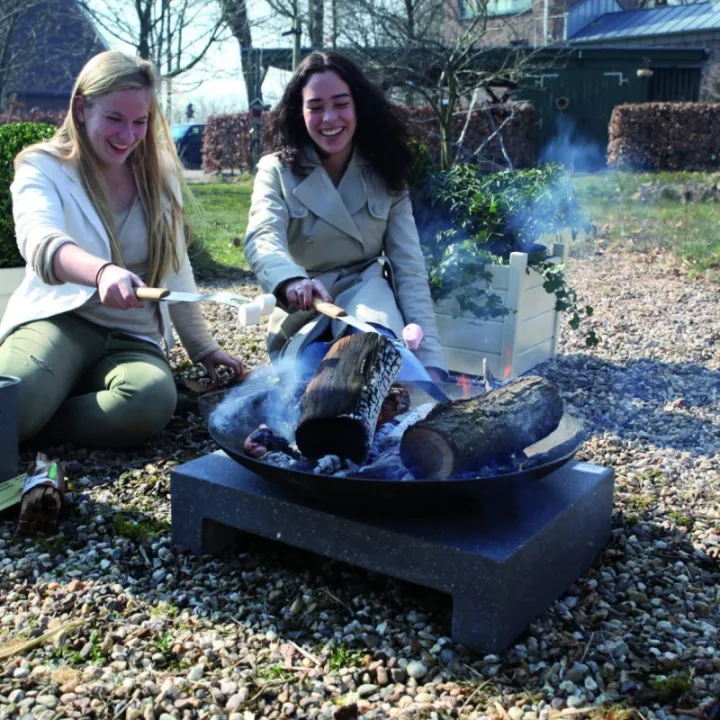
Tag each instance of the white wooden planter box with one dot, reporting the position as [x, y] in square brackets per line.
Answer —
[10, 279]
[527, 336]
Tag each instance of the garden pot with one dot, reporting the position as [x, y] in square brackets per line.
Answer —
[10, 279]
[9, 419]
[527, 336]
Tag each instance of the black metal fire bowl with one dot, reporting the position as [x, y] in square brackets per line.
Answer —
[245, 408]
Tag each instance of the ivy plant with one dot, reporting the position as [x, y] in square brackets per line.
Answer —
[468, 221]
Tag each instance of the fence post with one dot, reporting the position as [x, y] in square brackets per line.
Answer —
[511, 326]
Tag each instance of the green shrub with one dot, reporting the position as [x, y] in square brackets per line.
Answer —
[14, 138]
[468, 220]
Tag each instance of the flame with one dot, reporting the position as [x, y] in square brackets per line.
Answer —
[464, 383]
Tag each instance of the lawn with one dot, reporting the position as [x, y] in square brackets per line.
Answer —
[644, 210]
[218, 220]
[691, 230]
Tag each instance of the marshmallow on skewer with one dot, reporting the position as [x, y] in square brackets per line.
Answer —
[252, 313]
[412, 336]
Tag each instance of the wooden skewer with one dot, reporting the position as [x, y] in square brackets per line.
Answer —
[146, 293]
[328, 308]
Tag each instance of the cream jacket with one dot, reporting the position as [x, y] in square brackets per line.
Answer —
[48, 197]
[358, 238]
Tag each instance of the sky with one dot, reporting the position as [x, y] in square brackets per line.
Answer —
[216, 84]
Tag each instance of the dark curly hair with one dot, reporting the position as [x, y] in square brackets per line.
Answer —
[381, 135]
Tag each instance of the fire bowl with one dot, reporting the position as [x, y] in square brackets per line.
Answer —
[233, 414]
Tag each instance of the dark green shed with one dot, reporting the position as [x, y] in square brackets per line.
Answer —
[575, 90]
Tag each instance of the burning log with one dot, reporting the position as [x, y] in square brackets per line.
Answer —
[461, 435]
[341, 404]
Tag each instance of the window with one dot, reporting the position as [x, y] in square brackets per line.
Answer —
[472, 8]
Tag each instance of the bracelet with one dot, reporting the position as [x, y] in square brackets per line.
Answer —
[99, 272]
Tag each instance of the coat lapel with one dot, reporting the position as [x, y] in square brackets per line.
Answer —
[324, 200]
[78, 192]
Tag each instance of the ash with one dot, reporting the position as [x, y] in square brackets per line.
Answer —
[383, 462]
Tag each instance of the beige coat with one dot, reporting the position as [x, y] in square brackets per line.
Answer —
[48, 197]
[359, 239]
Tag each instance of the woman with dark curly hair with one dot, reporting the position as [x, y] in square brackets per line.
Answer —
[331, 215]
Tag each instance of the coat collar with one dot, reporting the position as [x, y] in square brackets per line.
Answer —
[333, 204]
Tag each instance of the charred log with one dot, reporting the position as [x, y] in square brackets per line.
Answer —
[462, 435]
[264, 440]
[396, 402]
[340, 407]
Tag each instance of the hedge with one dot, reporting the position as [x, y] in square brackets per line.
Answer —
[47, 117]
[226, 142]
[517, 134]
[665, 136]
[226, 139]
[14, 138]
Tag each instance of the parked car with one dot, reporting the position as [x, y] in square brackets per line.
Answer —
[188, 142]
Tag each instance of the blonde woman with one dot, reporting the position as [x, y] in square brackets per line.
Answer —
[98, 212]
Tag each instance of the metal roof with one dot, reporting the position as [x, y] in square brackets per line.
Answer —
[672, 20]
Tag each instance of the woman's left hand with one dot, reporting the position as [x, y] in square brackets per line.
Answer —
[219, 357]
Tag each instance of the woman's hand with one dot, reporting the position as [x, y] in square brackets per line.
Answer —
[219, 358]
[116, 287]
[299, 293]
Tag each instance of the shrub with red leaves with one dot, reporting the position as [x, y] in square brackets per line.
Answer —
[665, 136]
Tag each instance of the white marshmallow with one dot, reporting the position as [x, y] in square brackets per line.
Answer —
[267, 303]
[252, 313]
[249, 314]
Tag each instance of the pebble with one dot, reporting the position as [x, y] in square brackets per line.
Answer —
[195, 673]
[416, 669]
[176, 634]
[49, 701]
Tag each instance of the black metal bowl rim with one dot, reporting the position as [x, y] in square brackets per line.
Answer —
[573, 446]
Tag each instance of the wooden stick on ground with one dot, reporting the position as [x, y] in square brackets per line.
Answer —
[341, 404]
[460, 435]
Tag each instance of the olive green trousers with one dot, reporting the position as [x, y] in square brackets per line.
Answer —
[88, 385]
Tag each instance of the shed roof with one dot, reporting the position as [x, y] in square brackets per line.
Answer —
[671, 20]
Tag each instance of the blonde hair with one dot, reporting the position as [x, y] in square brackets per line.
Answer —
[154, 161]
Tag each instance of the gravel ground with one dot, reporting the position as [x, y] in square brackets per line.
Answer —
[116, 623]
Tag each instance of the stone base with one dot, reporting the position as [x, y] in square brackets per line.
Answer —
[503, 561]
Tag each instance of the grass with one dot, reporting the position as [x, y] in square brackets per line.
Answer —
[139, 531]
[689, 230]
[219, 219]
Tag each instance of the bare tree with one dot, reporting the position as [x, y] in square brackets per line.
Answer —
[423, 51]
[308, 20]
[43, 44]
[235, 15]
[316, 23]
[175, 34]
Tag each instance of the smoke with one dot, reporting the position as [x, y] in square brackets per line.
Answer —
[571, 149]
[268, 395]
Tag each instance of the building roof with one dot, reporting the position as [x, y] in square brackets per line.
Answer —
[53, 40]
[671, 20]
